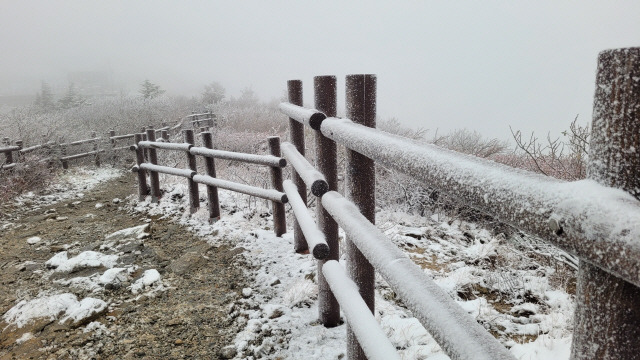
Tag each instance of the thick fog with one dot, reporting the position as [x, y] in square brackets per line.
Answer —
[440, 65]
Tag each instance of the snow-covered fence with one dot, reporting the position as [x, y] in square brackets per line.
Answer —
[203, 122]
[598, 220]
[276, 195]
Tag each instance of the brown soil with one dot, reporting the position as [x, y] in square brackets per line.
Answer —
[189, 320]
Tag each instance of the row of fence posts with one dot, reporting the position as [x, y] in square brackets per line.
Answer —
[213, 207]
[607, 315]
[360, 188]
[62, 147]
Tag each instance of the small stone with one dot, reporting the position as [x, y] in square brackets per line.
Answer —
[228, 352]
[178, 342]
[246, 292]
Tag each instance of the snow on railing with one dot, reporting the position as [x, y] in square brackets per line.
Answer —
[590, 219]
[315, 238]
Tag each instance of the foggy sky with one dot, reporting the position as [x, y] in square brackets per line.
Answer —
[440, 65]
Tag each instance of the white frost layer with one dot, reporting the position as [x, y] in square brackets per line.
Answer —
[149, 277]
[64, 306]
[85, 259]
[370, 336]
[309, 228]
[33, 240]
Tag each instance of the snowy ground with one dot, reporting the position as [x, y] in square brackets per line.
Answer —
[518, 292]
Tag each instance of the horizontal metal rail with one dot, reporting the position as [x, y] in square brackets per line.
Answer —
[36, 147]
[311, 177]
[120, 137]
[78, 156]
[371, 338]
[459, 335]
[310, 117]
[268, 160]
[268, 194]
[598, 224]
[315, 238]
[192, 115]
[9, 149]
[165, 170]
[80, 142]
[163, 145]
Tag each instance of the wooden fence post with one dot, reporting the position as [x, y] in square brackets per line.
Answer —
[296, 134]
[8, 155]
[165, 135]
[212, 191]
[112, 133]
[63, 152]
[154, 178]
[607, 316]
[143, 189]
[194, 196]
[325, 89]
[95, 148]
[360, 189]
[279, 214]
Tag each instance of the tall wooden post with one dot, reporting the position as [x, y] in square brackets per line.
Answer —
[63, 153]
[194, 195]
[165, 135]
[361, 190]
[607, 317]
[212, 191]
[279, 214]
[112, 133]
[143, 188]
[326, 151]
[296, 134]
[154, 178]
[8, 154]
[95, 148]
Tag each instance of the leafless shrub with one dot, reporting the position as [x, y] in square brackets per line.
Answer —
[471, 142]
[30, 174]
[563, 158]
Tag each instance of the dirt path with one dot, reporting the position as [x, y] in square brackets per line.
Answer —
[188, 319]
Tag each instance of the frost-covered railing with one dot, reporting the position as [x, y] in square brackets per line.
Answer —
[149, 165]
[202, 122]
[66, 151]
[598, 220]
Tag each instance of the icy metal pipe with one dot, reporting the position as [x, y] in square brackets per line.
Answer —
[312, 177]
[459, 335]
[164, 145]
[9, 149]
[267, 160]
[120, 137]
[315, 237]
[598, 224]
[268, 194]
[78, 156]
[310, 117]
[80, 142]
[165, 170]
[371, 338]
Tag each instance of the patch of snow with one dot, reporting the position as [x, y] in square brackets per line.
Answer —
[86, 259]
[149, 277]
[61, 306]
[33, 240]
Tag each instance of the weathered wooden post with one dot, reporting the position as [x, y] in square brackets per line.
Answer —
[326, 151]
[165, 135]
[143, 188]
[8, 155]
[361, 190]
[607, 317]
[94, 135]
[296, 135]
[210, 168]
[194, 196]
[279, 214]
[63, 153]
[112, 133]
[154, 178]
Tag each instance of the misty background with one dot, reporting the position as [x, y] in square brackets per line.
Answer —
[483, 66]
